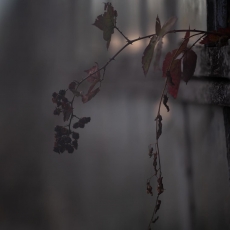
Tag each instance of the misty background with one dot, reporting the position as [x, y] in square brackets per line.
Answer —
[46, 44]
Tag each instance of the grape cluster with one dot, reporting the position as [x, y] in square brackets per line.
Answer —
[81, 123]
[64, 140]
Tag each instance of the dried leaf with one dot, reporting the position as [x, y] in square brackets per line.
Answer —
[90, 95]
[148, 54]
[72, 86]
[189, 65]
[158, 26]
[159, 126]
[150, 151]
[167, 26]
[149, 189]
[106, 22]
[160, 187]
[165, 100]
[93, 73]
[157, 207]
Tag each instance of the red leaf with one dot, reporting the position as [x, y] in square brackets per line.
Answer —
[167, 62]
[173, 69]
[175, 72]
[94, 76]
[222, 37]
[184, 44]
[72, 85]
[189, 65]
[90, 95]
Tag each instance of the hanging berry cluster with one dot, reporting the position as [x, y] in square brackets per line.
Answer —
[65, 138]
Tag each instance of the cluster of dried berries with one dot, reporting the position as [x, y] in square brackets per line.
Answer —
[149, 189]
[63, 104]
[63, 140]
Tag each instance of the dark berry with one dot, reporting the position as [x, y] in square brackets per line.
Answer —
[69, 148]
[85, 120]
[75, 135]
[76, 125]
[64, 99]
[88, 119]
[54, 94]
[56, 149]
[57, 111]
[81, 125]
[61, 141]
[64, 131]
[58, 129]
[62, 148]
[62, 92]
[67, 139]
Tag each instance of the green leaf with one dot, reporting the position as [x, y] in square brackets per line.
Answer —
[158, 54]
[167, 26]
[148, 54]
[106, 22]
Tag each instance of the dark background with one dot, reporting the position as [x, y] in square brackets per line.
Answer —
[46, 44]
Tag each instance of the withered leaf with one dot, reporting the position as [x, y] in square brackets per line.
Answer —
[189, 65]
[160, 187]
[90, 95]
[165, 100]
[93, 73]
[72, 87]
[149, 189]
[150, 151]
[106, 22]
[159, 125]
[157, 206]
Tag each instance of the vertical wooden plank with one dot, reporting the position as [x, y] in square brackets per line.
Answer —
[226, 112]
